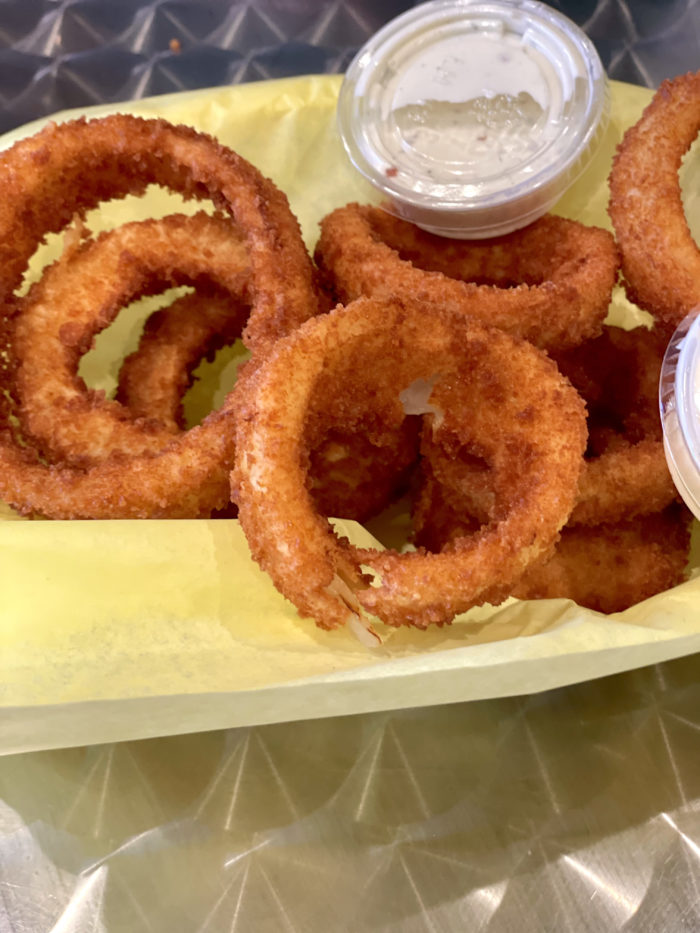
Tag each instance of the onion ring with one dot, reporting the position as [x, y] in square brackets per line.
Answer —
[549, 283]
[625, 472]
[80, 295]
[353, 473]
[154, 378]
[504, 392]
[607, 567]
[69, 168]
[660, 259]
[611, 567]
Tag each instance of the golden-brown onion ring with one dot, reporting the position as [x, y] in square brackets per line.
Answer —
[611, 567]
[66, 169]
[187, 479]
[625, 473]
[549, 283]
[69, 168]
[81, 294]
[487, 386]
[660, 259]
[155, 377]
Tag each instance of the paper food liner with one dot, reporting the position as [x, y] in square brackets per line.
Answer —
[123, 629]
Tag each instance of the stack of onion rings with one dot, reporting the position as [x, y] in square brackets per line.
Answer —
[61, 172]
[431, 378]
[75, 428]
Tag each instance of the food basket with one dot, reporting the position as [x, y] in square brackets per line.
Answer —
[532, 765]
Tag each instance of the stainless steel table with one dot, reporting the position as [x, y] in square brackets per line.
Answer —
[577, 809]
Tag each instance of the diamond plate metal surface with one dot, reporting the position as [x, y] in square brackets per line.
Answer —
[577, 809]
[57, 54]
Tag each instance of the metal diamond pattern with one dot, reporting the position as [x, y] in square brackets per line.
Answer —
[577, 809]
[57, 54]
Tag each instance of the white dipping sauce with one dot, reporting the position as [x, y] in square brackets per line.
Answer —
[472, 106]
[473, 117]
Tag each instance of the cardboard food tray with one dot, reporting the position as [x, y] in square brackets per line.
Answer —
[121, 630]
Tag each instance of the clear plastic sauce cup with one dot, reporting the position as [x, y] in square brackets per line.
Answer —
[471, 117]
[679, 401]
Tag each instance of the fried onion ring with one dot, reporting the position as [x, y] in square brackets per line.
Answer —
[549, 283]
[611, 567]
[660, 259]
[80, 295]
[69, 168]
[488, 388]
[625, 472]
[155, 377]
[607, 567]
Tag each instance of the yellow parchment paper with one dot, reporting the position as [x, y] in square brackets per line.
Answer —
[117, 630]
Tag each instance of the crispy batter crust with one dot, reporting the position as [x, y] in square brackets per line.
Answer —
[625, 473]
[69, 168]
[503, 393]
[154, 378]
[660, 259]
[549, 283]
[65, 170]
[81, 294]
[188, 479]
[611, 567]
[607, 567]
